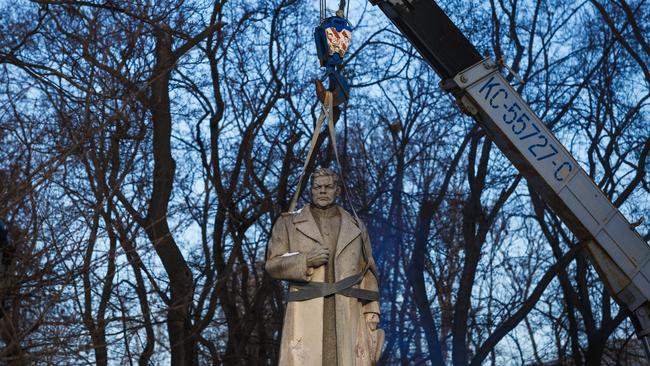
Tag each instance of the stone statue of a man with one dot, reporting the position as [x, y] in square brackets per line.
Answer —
[325, 254]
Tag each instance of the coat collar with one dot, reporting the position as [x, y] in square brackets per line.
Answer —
[305, 223]
[349, 230]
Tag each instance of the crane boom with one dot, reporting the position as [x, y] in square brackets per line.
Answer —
[619, 254]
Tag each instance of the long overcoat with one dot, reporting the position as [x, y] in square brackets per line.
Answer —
[294, 235]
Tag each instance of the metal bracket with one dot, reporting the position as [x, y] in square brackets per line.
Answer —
[448, 85]
[475, 73]
[466, 106]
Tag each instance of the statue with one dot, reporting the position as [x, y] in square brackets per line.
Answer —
[325, 254]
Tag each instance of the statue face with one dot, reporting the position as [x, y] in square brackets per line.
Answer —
[324, 191]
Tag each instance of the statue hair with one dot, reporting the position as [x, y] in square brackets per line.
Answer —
[325, 172]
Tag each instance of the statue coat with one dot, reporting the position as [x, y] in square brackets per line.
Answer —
[294, 235]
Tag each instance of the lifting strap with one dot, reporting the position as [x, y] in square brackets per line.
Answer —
[312, 145]
[311, 290]
[326, 112]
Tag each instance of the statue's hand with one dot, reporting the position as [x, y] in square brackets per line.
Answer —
[372, 319]
[318, 257]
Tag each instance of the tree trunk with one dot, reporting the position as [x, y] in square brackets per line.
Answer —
[182, 342]
[416, 277]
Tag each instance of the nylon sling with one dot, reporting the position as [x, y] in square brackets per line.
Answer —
[311, 290]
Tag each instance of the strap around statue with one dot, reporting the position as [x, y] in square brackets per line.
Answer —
[311, 290]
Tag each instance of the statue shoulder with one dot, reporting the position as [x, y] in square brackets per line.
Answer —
[362, 227]
[289, 215]
[282, 222]
[356, 220]
[284, 218]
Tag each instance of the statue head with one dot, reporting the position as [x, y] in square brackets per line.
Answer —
[324, 187]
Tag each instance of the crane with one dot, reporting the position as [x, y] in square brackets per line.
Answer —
[619, 254]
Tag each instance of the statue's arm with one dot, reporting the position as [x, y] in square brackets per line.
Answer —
[369, 281]
[282, 264]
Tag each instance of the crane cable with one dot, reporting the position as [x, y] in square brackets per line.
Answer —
[343, 5]
[323, 8]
